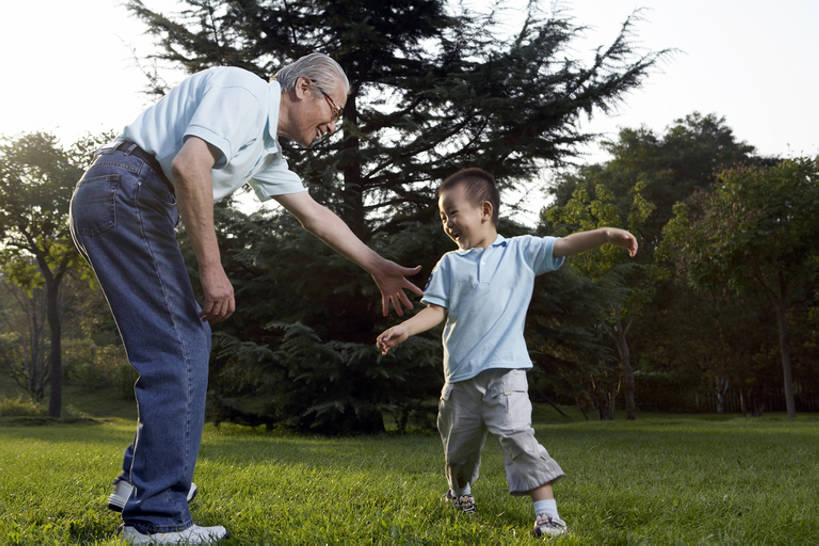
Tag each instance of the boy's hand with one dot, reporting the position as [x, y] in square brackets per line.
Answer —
[391, 337]
[622, 238]
[391, 280]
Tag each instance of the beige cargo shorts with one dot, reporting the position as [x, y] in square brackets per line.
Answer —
[494, 401]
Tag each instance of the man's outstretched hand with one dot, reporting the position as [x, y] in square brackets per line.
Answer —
[391, 280]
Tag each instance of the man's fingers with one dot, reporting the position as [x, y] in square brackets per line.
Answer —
[397, 306]
[409, 271]
[411, 286]
[213, 315]
[218, 310]
[206, 310]
[405, 300]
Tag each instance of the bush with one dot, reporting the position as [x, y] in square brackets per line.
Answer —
[21, 406]
[92, 366]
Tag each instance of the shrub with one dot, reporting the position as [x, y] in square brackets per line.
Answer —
[21, 406]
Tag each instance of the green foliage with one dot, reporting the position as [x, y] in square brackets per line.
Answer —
[661, 169]
[753, 238]
[433, 88]
[295, 371]
[37, 176]
[96, 367]
[36, 179]
[637, 189]
[24, 345]
[21, 406]
[756, 223]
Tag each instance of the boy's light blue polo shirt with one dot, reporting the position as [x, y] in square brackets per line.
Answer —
[486, 293]
[233, 110]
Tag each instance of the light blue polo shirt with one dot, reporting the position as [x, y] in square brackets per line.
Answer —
[235, 111]
[486, 293]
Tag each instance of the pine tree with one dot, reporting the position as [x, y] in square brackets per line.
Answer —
[434, 88]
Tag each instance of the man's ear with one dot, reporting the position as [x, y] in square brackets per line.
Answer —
[303, 87]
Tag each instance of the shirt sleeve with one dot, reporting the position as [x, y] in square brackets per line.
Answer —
[275, 179]
[539, 254]
[227, 118]
[437, 289]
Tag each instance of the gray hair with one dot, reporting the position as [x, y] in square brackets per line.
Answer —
[319, 68]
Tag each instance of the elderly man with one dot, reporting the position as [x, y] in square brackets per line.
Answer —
[207, 137]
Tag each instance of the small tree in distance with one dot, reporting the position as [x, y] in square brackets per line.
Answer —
[755, 234]
[37, 177]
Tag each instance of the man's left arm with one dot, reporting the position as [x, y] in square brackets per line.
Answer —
[585, 240]
[324, 224]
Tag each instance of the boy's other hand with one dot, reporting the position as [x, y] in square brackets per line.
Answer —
[391, 337]
[391, 280]
[622, 238]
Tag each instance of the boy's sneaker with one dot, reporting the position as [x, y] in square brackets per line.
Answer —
[464, 504]
[122, 490]
[547, 526]
[192, 535]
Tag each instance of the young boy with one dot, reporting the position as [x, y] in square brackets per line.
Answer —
[483, 290]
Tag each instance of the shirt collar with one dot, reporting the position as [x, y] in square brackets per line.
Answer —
[273, 114]
[500, 240]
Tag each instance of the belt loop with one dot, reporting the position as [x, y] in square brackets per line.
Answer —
[127, 147]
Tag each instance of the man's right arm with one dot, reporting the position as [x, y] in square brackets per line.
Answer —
[324, 224]
[194, 193]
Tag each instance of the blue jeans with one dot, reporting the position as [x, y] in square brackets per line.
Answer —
[123, 221]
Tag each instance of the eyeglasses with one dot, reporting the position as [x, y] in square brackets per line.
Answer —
[337, 112]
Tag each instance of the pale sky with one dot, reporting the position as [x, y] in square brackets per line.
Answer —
[68, 66]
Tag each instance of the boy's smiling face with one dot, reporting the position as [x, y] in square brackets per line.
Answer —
[467, 223]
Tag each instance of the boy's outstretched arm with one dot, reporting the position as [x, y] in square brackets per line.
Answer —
[586, 240]
[426, 318]
[324, 224]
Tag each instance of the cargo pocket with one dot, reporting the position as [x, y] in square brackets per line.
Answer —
[93, 206]
[511, 391]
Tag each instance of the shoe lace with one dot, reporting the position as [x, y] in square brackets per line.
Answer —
[545, 520]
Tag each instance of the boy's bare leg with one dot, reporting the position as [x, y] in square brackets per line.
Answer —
[547, 520]
[543, 492]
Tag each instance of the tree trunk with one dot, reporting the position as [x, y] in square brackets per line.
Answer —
[624, 353]
[780, 306]
[55, 400]
[353, 191]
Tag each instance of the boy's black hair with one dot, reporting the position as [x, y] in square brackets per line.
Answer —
[479, 185]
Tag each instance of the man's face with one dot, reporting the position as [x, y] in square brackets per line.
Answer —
[462, 220]
[314, 114]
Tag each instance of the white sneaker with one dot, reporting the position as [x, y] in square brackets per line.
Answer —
[547, 526]
[192, 535]
[122, 490]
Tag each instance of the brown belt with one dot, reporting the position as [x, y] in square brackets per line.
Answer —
[131, 148]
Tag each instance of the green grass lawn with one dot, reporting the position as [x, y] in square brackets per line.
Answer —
[659, 480]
